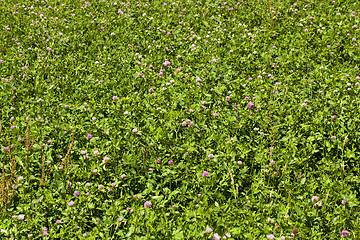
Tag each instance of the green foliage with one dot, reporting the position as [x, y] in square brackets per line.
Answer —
[109, 104]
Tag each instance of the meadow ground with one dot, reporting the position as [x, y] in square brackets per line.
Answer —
[179, 119]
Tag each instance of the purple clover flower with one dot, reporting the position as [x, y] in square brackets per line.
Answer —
[147, 204]
[345, 233]
[250, 105]
[205, 174]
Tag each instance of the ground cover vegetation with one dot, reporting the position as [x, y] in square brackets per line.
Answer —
[179, 119]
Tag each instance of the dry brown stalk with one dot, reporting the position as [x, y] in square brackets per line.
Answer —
[184, 63]
[6, 197]
[345, 140]
[273, 130]
[9, 151]
[117, 225]
[32, 144]
[49, 171]
[3, 184]
[296, 177]
[10, 196]
[232, 180]
[27, 133]
[0, 126]
[67, 154]
[270, 18]
[144, 152]
[277, 169]
[6, 194]
[43, 171]
[13, 169]
[305, 77]
[26, 158]
[271, 149]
